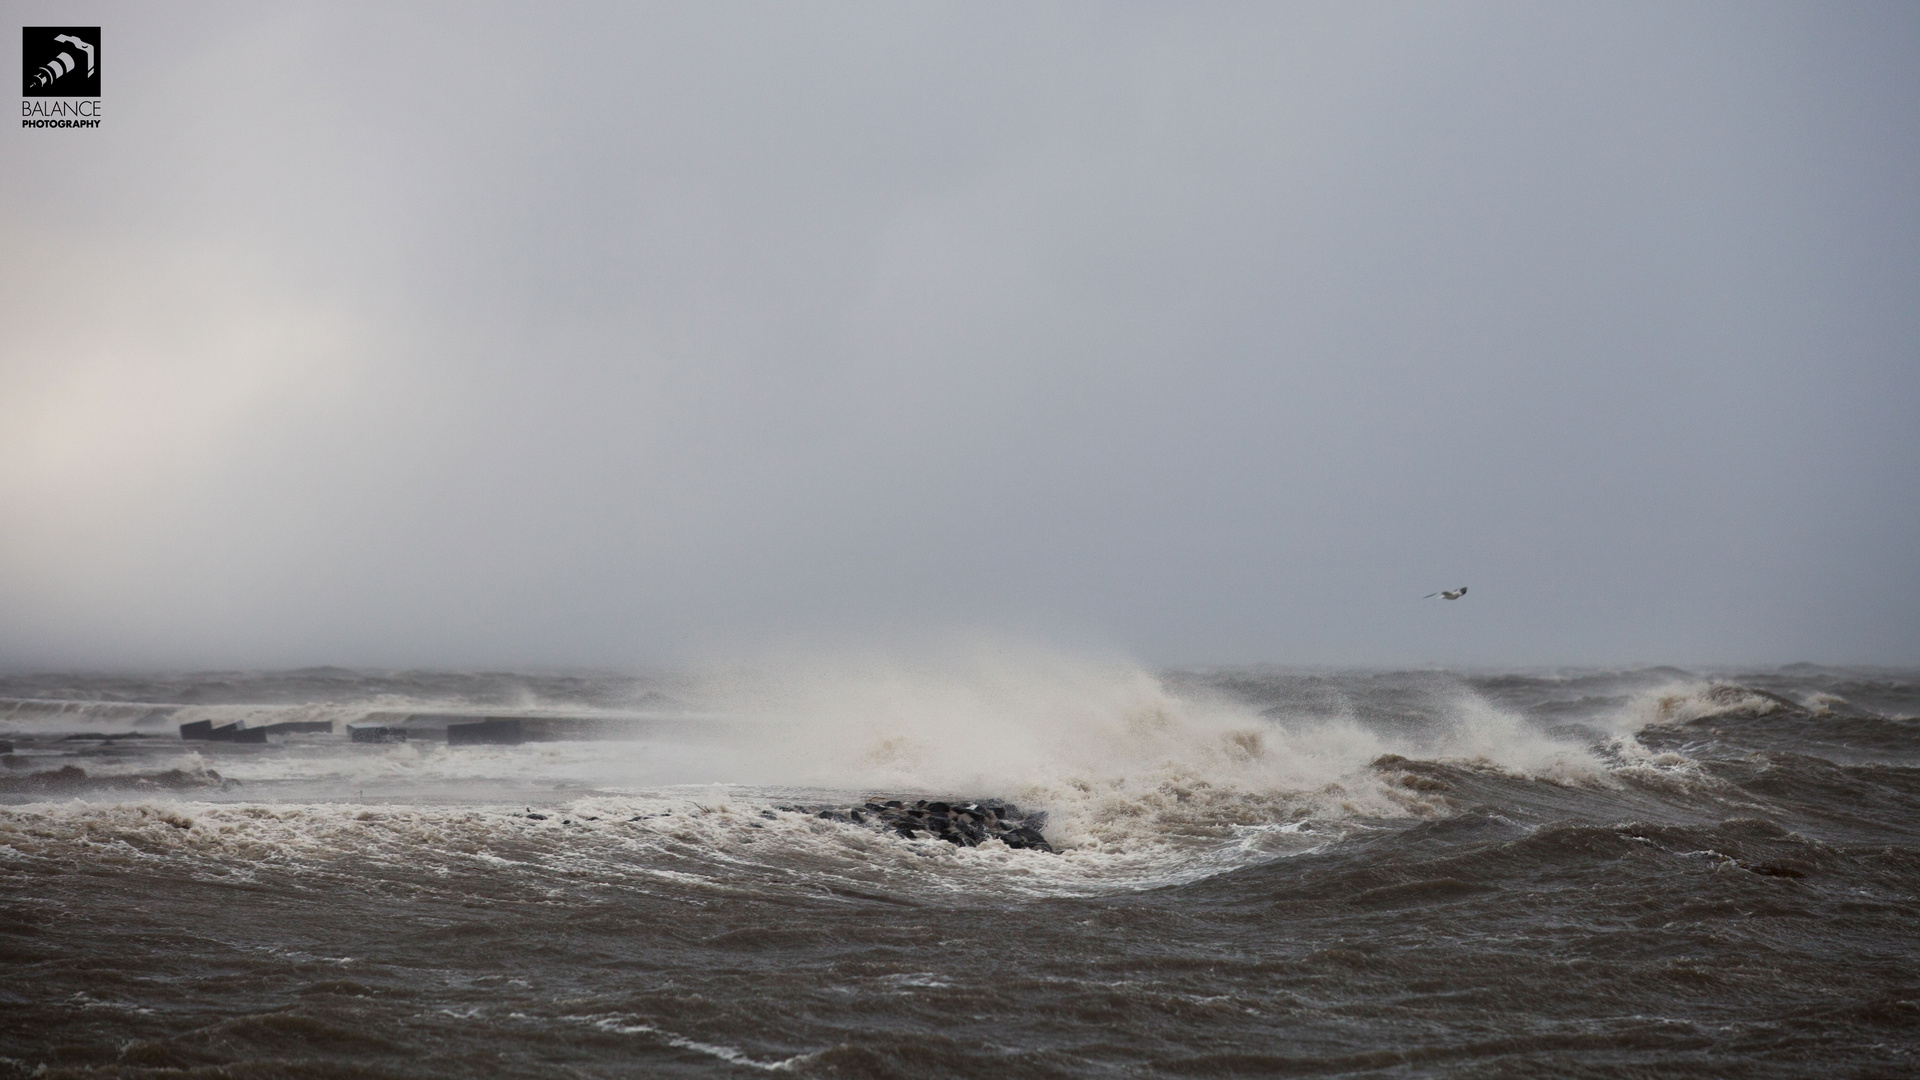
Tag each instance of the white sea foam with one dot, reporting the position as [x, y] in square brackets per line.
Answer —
[1132, 773]
[1682, 702]
[1143, 784]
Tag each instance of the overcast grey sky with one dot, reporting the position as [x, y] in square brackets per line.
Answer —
[615, 334]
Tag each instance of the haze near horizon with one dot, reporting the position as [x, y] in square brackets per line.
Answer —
[595, 335]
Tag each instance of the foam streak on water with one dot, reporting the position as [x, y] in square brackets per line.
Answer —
[1649, 871]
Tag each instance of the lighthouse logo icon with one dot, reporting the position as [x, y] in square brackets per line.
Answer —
[60, 61]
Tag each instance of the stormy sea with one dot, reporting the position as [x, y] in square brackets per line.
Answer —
[1004, 867]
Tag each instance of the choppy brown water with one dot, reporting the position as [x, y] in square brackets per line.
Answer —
[1628, 873]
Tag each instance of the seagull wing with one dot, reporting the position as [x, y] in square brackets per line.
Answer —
[1430, 596]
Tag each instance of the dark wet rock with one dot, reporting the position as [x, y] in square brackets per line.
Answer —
[1025, 837]
[5, 747]
[967, 824]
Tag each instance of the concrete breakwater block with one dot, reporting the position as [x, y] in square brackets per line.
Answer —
[239, 732]
[296, 727]
[376, 733]
[545, 728]
[501, 731]
[967, 824]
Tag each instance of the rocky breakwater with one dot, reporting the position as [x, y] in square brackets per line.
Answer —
[967, 824]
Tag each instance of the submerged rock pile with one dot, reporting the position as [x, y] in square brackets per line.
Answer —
[966, 824]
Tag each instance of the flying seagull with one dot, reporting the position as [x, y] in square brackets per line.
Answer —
[1448, 594]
